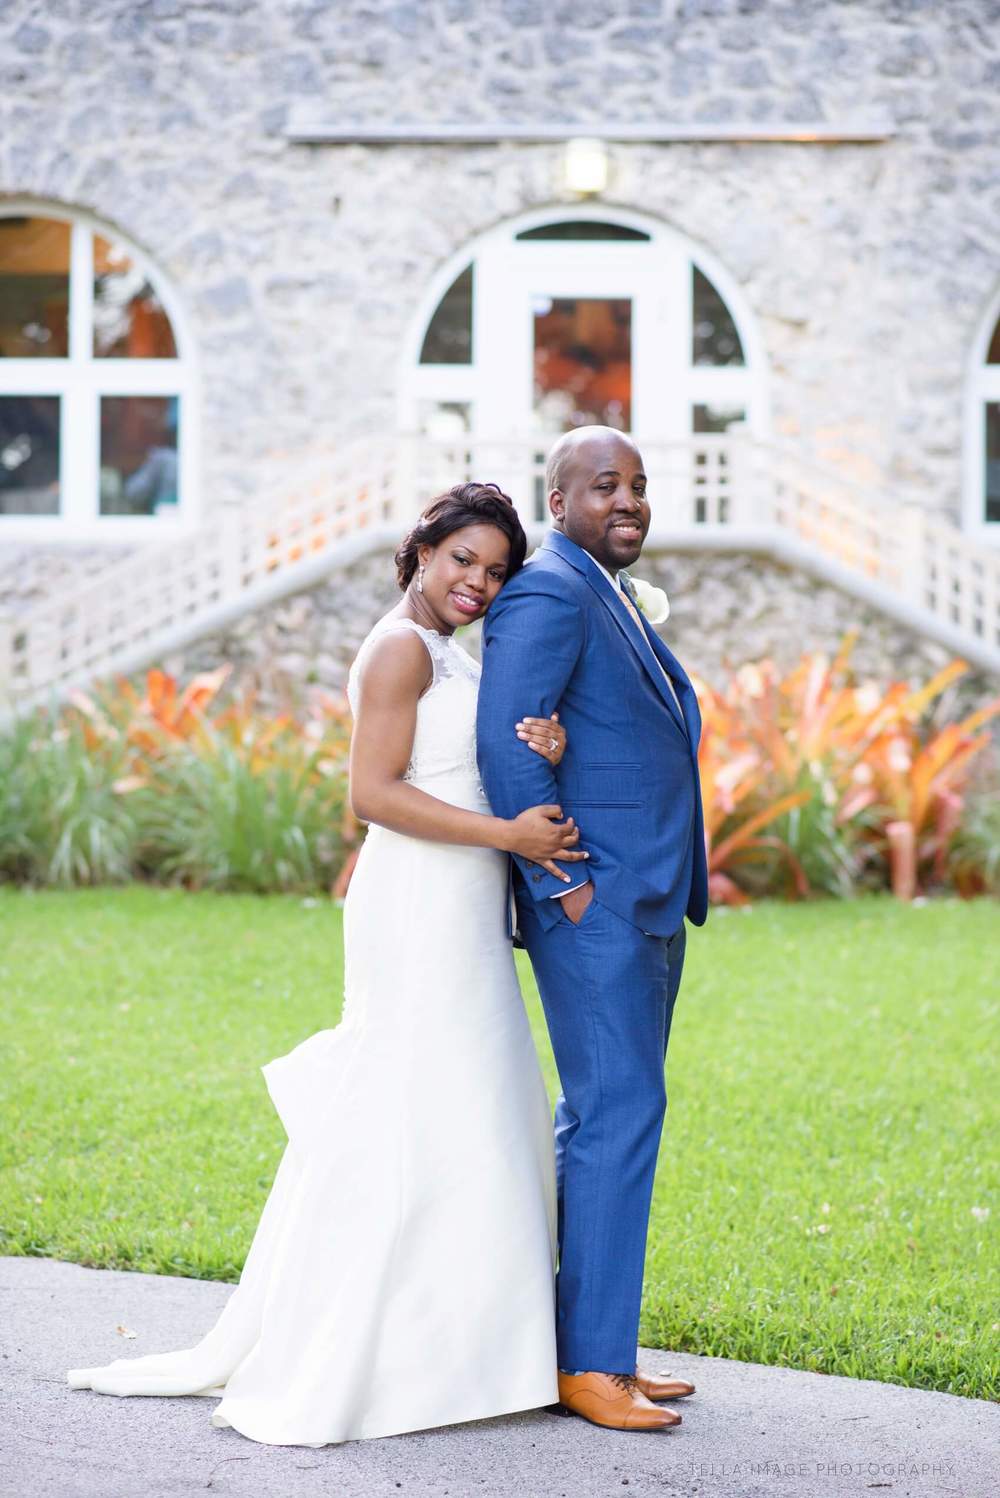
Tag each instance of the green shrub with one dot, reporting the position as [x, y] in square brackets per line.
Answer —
[216, 819]
[61, 820]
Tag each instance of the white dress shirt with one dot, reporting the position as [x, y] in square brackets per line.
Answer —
[616, 584]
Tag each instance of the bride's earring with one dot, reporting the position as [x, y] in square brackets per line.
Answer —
[420, 578]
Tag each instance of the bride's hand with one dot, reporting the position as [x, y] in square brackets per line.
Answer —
[546, 736]
[538, 836]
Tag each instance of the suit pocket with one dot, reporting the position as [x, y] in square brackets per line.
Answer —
[585, 919]
[617, 784]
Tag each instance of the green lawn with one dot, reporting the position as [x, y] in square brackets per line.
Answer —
[827, 1189]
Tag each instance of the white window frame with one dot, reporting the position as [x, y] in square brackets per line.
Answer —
[80, 380]
[982, 385]
[744, 385]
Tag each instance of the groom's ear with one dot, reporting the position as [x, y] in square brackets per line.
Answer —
[557, 504]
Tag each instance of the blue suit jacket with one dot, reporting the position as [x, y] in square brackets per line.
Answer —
[556, 639]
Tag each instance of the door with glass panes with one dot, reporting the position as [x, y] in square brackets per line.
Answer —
[566, 323]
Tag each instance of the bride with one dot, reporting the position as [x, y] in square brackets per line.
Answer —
[402, 1272]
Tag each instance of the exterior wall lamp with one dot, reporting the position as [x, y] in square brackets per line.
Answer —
[585, 166]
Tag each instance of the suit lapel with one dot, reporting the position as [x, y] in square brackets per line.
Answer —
[647, 654]
[685, 691]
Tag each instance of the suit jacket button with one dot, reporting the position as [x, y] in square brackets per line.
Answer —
[536, 877]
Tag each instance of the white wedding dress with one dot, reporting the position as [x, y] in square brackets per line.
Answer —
[402, 1272]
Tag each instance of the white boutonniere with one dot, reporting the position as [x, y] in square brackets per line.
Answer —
[653, 602]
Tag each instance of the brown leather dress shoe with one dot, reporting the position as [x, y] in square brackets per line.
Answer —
[659, 1386]
[613, 1400]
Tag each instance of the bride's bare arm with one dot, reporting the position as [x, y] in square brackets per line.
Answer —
[396, 671]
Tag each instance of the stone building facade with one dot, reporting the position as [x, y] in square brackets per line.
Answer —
[863, 273]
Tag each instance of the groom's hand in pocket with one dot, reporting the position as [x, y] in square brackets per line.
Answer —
[576, 902]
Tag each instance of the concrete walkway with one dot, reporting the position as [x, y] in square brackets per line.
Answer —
[747, 1431]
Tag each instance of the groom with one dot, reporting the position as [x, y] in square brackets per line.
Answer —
[607, 950]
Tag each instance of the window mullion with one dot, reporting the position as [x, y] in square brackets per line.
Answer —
[80, 450]
[79, 480]
[81, 295]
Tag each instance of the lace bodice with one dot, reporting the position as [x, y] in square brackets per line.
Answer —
[444, 742]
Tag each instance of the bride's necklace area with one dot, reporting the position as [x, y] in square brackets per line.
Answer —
[421, 625]
[417, 608]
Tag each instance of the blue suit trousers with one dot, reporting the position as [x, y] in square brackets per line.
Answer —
[608, 991]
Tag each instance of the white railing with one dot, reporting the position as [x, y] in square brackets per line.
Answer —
[166, 592]
[740, 492]
[914, 564]
[730, 492]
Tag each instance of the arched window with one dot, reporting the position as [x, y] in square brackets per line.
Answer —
[96, 404]
[982, 454]
[552, 322]
[448, 339]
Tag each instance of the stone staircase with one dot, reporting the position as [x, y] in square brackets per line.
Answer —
[732, 493]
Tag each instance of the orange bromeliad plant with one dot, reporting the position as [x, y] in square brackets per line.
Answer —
[731, 770]
[918, 787]
[162, 713]
[840, 768]
[809, 780]
[146, 734]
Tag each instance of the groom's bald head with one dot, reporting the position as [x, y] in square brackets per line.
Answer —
[576, 442]
[597, 494]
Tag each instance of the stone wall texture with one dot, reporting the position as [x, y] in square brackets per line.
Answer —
[725, 609]
[867, 267]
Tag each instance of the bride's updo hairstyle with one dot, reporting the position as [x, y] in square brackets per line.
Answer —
[462, 505]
